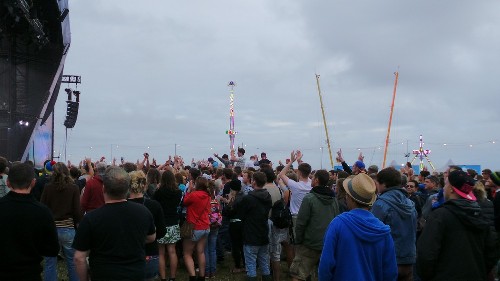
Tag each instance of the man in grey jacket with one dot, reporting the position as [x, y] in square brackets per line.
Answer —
[317, 210]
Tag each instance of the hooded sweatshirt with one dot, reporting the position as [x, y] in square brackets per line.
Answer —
[456, 243]
[198, 208]
[358, 246]
[317, 210]
[253, 209]
[396, 210]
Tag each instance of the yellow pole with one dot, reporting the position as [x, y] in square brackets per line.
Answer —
[324, 120]
[390, 118]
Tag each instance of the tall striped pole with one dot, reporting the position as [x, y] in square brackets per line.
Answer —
[231, 132]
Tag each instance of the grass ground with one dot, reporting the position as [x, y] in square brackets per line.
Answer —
[223, 271]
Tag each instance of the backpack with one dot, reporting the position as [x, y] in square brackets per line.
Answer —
[215, 216]
[280, 213]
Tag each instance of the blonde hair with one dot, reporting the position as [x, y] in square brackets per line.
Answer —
[137, 182]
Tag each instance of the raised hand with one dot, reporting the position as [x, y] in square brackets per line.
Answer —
[361, 157]
[299, 155]
[339, 156]
[292, 157]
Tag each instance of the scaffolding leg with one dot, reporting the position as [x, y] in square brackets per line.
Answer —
[411, 162]
[430, 163]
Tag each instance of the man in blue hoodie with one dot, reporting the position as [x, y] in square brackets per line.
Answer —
[357, 245]
[395, 209]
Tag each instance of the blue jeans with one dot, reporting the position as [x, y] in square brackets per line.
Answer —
[152, 265]
[66, 236]
[254, 254]
[210, 252]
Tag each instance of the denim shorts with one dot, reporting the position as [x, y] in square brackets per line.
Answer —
[198, 234]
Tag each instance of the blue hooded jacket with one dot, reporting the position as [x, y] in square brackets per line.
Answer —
[396, 210]
[358, 246]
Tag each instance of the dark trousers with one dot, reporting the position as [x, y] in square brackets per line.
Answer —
[223, 240]
[236, 233]
[405, 272]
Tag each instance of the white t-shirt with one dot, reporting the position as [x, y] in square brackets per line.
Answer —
[250, 164]
[299, 190]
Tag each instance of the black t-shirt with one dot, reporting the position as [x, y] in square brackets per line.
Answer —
[157, 212]
[169, 201]
[115, 234]
[41, 181]
[28, 233]
[264, 161]
[81, 183]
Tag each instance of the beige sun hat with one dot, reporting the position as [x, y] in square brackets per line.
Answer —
[361, 188]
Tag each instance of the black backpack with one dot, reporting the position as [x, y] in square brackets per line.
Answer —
[280, 213]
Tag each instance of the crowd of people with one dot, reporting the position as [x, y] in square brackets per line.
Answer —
[128, 221]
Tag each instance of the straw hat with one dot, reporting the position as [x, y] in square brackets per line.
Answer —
[361, 188]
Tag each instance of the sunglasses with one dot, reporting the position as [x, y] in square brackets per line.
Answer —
[410, 186]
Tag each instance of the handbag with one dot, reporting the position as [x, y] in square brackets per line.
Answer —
[187, 228]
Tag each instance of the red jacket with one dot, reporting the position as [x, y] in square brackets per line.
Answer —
[93, 194]
[198, 209]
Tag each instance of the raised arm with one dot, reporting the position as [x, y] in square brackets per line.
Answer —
[282, 175]
[340, 159]
[89, 164]
[141, 164]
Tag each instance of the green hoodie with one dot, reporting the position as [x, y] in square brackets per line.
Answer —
[317, 210]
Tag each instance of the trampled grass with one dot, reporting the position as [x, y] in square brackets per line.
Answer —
[223, 271]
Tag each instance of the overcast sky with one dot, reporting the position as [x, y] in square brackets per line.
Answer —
[155, 75]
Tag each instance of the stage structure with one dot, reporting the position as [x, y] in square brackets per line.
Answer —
[34, 41]
[71, 106]
[231, 132]
[422, 153]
